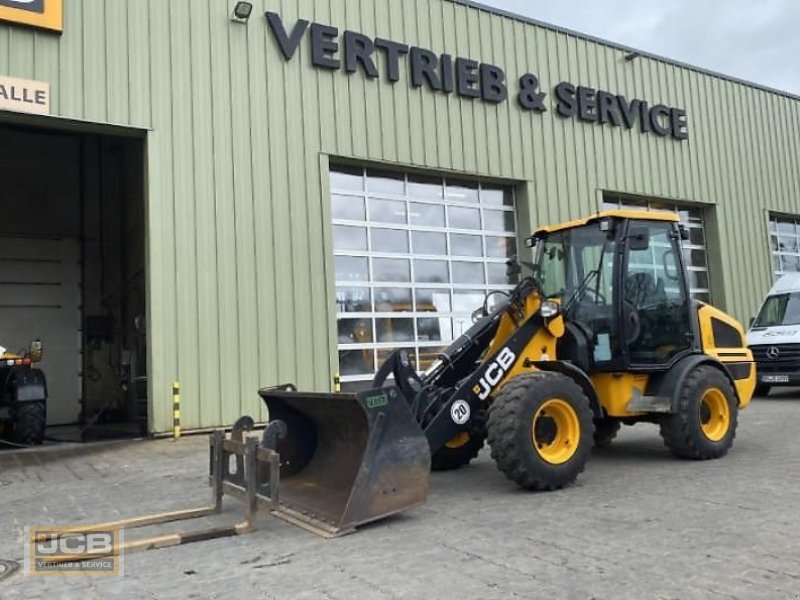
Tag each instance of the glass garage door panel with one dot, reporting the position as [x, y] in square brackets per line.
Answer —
[784, 233]
[695, 253]
[414, 257]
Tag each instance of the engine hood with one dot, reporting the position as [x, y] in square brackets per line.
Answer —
[784, 334]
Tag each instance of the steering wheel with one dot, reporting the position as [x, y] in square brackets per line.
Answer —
[631, 322]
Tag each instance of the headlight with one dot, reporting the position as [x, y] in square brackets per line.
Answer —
[549, 309]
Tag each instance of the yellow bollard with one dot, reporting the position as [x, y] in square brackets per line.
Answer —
[176, 410]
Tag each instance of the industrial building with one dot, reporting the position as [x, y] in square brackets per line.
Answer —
[229, 200]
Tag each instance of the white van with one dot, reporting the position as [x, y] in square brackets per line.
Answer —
[774, 336]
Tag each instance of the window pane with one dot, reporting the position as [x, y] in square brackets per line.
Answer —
[786, 227]
[431, 271]
[696, 236]
[425, 187]
[393, 300]
[698, 279]
[465, 245]
[495, 220]
[355, 331]
[356, 362]
[347, 178]
[428, 215]
[384, 353]
[389, 240]
[349, 238]
[387, 211]
[787, 244]
[394, 330]
[433, 300]
[468, 272]
[695, 258]
[466, 301]
[350, 299]
[391, 269]
[349, 208]
[435, 330]
[501, 247]
[385, 182]
[351, 268]
[464, 218]
[496, 196]
[426, 242]
[791, 263]
[497, 273]
[461, 191]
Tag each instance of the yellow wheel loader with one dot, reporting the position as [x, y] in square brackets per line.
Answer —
[599, 331]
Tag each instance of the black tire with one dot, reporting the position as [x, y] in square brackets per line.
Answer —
[30, 420]
[450, 458]
[605, 430]
[683, 431]
[762, 390]
[513, 425]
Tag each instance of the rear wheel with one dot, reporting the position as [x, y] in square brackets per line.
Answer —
[30, 420]
[762, 390]
[540, 430]
[605, 430]
[458, 452]
[705, 424]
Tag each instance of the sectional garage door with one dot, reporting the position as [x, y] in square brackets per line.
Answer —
[40, 298]
[414, 257]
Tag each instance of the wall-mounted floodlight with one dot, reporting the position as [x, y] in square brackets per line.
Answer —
[241, 11]
[631, 56]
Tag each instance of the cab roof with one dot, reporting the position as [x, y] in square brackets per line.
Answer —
[639, 215]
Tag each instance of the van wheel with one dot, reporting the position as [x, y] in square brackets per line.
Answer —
[762, 390]
[705, 424]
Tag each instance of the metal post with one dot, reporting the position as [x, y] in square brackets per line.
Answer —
[176, 410]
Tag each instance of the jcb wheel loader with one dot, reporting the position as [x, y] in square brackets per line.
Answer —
[600, 331]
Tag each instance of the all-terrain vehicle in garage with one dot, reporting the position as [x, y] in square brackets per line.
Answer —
[23, 396]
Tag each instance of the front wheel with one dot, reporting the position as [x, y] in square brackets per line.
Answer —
[30, 420]
[540, 430]
[705, 423]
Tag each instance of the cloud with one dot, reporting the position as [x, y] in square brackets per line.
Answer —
[754, 41]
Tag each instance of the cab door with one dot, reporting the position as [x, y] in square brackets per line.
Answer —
[656, 318]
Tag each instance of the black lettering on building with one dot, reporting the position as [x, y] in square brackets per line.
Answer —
[393, 52]
[607, 109]
[358, 49]
[493, 87]
[423, 68]
[629, 111]
[467, 78]
[567, 105]
[680, 127]
[287, 43]
[324, 46]
[587, 104]
[446, 70]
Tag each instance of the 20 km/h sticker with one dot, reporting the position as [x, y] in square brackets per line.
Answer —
[460, 412]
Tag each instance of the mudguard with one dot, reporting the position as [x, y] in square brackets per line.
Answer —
[30, 384]
[670, 383]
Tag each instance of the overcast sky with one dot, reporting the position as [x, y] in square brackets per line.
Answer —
[758, 41]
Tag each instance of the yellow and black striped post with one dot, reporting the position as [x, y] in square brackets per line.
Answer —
[337, 382]
[176, 410]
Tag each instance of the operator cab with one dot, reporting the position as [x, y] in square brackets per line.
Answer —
[619, 278]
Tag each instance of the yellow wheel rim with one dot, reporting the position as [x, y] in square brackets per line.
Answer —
[556, 431]
[715, 414]
[460, 439]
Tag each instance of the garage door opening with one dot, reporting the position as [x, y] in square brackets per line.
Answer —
[72, 274]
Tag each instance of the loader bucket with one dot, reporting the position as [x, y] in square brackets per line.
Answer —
[347, 459]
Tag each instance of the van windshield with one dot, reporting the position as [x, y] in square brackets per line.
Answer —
[780, 309]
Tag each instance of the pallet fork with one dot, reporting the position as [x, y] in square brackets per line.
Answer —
[242, 467]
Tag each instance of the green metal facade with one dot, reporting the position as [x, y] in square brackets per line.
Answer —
[239, 144]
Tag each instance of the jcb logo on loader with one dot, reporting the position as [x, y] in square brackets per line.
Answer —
[494, 373]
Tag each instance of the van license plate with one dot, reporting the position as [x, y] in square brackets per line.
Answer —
[775, 378]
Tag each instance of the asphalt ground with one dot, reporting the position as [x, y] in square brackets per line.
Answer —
[637, 524]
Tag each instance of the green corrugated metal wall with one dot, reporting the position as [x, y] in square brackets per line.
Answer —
[240, 293]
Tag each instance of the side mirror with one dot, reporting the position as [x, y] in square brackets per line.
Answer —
[684, 231]
[530, 242]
